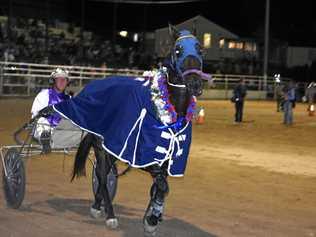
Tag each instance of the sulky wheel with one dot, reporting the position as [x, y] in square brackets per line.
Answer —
[111, 181]
[14, 179]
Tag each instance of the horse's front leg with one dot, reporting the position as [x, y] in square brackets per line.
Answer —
[158, 192]
[103, 167]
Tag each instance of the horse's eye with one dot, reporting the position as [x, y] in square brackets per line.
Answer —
[178, 50]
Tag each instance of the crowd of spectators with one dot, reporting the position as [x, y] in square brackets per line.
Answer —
[28, 41]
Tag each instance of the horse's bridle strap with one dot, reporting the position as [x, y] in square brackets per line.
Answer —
[203, 75]
[176, 85]
[185, 36]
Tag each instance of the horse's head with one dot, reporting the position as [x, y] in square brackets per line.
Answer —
[186, 61]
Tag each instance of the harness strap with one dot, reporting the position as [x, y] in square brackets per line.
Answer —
[203, 75]
[185, 36]
[176, 85]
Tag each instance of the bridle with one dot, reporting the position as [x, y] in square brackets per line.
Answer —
[178, 60]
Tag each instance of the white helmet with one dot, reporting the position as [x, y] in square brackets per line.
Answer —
[59, 72]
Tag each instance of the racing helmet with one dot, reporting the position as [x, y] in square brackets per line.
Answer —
[58, 72]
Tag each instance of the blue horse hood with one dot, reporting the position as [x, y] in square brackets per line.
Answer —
[120, 110]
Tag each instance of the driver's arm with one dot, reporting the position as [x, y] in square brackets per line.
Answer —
[41, 101]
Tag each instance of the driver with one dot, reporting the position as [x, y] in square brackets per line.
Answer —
[59, 79]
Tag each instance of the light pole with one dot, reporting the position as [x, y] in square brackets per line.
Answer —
[266, 45]
[115, 6]
[82, 26]
[9, 29]
[46, 30]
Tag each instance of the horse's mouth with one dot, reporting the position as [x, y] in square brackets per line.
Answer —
[193, 83]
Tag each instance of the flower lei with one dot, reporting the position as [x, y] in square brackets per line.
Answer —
[165, 109]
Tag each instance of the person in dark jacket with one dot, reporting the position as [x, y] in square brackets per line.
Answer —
[279, 96]
[239, 94]
[289, 102]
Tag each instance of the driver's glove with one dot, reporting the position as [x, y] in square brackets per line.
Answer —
[46, 112]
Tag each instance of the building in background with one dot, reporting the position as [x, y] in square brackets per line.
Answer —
[223, 50]
[300, 56]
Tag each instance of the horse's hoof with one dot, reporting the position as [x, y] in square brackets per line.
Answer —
[95, 213]
[112, 223]
[149, 230]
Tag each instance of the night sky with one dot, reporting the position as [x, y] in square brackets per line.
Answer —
[292, 21]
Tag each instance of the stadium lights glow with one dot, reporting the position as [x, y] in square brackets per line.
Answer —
[135, 37]
[123, 33]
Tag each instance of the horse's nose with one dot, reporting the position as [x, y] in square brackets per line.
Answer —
[191, 62]
[193, 84]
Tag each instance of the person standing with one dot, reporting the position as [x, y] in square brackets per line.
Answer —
[289, 103]
[309, 97]
[279, 95]
[239, 94]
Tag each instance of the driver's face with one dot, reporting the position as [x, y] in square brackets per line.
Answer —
[61, 83]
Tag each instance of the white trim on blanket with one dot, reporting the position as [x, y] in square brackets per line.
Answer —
[177, 141]
[141, 117]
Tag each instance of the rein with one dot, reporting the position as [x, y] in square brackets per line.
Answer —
[203, 75]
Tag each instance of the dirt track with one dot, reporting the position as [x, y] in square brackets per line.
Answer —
[254, 179]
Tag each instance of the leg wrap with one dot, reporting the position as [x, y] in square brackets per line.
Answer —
[158, 192]
[160, 187]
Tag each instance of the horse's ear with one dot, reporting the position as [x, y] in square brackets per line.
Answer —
[173, 32]
[194, 30]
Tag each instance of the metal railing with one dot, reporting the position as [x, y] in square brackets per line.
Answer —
[228, 81]
[27, 79]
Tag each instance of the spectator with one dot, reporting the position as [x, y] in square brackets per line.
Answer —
[309, 97]
[279, 96]
[289, 102]
[239, 94]
[29, 44]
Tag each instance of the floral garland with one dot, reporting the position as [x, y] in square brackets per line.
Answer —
[160, 96]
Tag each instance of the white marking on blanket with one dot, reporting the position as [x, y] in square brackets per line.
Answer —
[161, 150]
[146, 83]
[182, 137]
[179, 152]
[165, 135]
[138, 122]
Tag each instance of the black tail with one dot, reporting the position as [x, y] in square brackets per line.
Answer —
[82, 155]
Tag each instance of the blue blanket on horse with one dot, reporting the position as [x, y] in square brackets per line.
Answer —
[120, 111]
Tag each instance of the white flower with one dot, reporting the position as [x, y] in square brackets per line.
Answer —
[149, 73]
[156, 94]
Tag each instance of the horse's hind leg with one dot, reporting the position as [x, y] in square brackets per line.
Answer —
[158, 192]
[103, 167]
[95, 210]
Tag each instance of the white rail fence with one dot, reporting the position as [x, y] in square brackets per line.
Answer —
[27, 79]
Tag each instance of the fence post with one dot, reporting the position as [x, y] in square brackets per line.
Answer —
[28, 86]
[226, 87]
[274, 91]
[80, 80]
[1, 80]
[29, 72]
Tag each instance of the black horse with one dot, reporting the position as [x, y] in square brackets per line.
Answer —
[183, 73]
